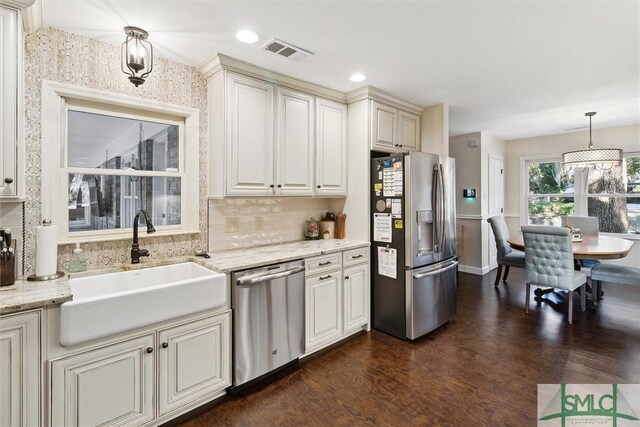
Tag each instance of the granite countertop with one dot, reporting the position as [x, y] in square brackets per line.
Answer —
[241, 259]
[25, 295]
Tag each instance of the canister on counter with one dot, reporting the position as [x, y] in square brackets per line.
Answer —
[340, 224]
[311, 229]
[327, 225]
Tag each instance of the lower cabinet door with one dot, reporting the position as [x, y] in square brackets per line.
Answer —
[20, 370]
[110, 386]
[356, 297]
[324, 313]
[194, 361]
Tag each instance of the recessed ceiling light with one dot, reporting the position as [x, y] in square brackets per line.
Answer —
[247, 36]
[357, 77]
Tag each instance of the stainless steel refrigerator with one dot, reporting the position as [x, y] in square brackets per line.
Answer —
[413, 243]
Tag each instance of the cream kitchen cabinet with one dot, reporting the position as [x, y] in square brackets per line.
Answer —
[10, 103]
[272, 135]
[150, 377]
[337, 290]
[109, 386]
[193, 361]
[356, 286]
[20, 369]
[323, 308]
[294, 143]
[331, 148]
[393, 129]
[250, 138]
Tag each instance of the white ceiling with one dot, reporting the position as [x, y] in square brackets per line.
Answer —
[514, 69]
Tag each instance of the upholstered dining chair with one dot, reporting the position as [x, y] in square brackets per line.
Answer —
[549, 263]
[507, 257]
[587, 225]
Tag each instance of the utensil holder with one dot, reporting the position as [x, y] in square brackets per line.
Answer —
[8, 269]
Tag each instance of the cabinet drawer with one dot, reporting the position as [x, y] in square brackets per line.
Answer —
[355, 256]
[319, 264]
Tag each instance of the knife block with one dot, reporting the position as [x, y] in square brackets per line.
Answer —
[8, 270]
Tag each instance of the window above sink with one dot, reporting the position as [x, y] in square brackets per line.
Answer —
[106, 156]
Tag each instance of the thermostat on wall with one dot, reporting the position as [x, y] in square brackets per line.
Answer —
[469, 192]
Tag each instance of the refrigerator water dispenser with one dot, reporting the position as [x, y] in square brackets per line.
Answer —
[424, 218]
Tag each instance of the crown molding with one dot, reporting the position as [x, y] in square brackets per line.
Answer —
[220, 63]
[370, 92]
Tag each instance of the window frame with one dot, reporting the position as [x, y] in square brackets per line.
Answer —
[580, 196]
[57, 100]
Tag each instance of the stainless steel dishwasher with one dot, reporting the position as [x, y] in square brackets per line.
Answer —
[268, 319]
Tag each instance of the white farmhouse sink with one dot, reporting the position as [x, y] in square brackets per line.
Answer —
[111, 303]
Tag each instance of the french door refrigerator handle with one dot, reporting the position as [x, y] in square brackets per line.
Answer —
[434, 272]
[258, 279]
[438, 206]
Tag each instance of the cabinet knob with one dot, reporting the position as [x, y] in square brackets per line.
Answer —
[319, 186]
[346, 277]
[165, 344]
[149, 349]
[8, 180]
[271, 186]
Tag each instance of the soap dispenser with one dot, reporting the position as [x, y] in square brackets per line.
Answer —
[78, 261]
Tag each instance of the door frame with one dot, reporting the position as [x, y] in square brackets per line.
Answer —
[493, 251]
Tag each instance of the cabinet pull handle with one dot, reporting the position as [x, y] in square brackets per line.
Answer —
[357, 256]
[165, 344]
[324, 263]
[346, 277]
[328, 276]
[8, 180]
[149, 349]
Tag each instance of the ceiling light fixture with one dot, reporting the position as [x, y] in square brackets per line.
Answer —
[598, 158]
[247, 36]
[357, 77]
[136, 59]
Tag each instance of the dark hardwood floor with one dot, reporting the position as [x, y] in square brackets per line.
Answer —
[481, 369]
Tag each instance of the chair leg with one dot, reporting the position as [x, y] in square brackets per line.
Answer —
[527, 296]
[583, 297]
[570, 301]
[506, 273]
[498, 274]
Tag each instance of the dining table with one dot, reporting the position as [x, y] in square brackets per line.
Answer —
[591, 246]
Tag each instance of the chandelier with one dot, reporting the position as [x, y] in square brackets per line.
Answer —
[136, 59]
[598, 158]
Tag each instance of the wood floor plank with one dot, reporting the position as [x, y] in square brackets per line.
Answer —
[482, 368]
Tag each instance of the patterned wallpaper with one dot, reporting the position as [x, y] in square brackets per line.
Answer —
[57, 55]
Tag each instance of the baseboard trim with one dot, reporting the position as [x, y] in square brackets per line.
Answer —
[474, 270]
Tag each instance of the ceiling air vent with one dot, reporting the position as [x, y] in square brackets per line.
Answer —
[287, 50]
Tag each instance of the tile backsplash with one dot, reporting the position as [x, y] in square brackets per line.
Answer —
[56, 55]
[241, 223]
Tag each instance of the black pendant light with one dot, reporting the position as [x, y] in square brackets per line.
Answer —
[136, 55]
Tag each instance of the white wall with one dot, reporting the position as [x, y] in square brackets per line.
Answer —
[472, 171]
[625, 137]
[434, 132]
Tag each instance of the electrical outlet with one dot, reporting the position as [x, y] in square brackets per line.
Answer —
[232, 225]
[259, 223]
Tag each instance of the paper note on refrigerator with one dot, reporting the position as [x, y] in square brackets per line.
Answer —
[387, 262]
[382, 227]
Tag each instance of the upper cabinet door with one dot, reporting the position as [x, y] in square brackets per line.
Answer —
[294, 143]
[8, 101]
[408, 130]
[383, 126]
[249, 154]
[331, 148]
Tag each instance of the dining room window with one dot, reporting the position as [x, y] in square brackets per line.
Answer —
[612, 195]
[550, 191]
